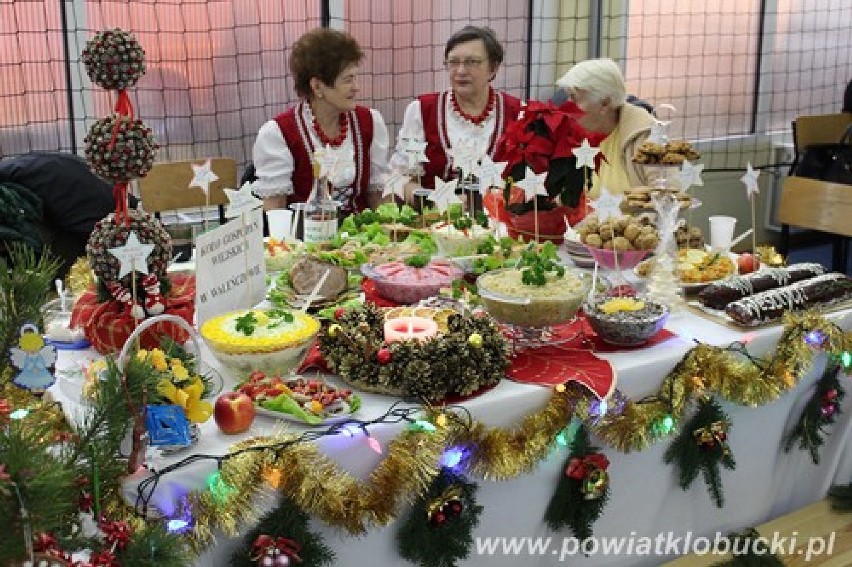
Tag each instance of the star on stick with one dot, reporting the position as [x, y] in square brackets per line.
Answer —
[585, 154]
[690, 175]
[532, 184]
[490, 173]
[750, 181]
[203, 176]
[607, 205]
[395, 185]
[133, 255]
[444, 194]
[331, 159]
[241, 200]
[466, 155]
[414, 150]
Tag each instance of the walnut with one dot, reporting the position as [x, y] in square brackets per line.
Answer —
[632, 231]
[621, 243]
[593, 240]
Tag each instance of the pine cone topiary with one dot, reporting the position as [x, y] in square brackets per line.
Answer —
[132, 154]
[114, 60]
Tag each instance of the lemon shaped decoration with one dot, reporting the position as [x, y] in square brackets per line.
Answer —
[621, 304]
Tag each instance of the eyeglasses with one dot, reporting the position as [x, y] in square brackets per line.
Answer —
[468, 63]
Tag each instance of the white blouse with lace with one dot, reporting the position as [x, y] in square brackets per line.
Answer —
[274, 162]
[457, 129]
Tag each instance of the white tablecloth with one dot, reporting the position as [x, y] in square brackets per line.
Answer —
[644, 497]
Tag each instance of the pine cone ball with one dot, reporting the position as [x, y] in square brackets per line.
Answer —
[114, 60]
[108, 233]
[132, 154]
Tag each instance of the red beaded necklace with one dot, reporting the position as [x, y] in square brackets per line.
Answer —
[482, 116]
[336, 141]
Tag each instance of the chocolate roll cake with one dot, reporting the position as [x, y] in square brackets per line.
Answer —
[719, 294]
[767, 306]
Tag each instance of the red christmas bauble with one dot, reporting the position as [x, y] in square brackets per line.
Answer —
[384, 355]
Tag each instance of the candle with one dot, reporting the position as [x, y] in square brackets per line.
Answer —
[410, 328]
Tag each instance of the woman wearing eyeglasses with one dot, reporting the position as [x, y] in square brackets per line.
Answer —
[471, 111]
[324, 64]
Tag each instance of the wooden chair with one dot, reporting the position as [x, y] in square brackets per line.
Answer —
[818, 129]
[166, 187]
[807, 130]
[822, 206]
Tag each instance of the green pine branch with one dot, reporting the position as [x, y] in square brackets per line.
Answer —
[568, 506]
[25, 282]
[154, 546]
[691, 457]
[810, 429]
[289, 521]
[430, 544]
[40, 485]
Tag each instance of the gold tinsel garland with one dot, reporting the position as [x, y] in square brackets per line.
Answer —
[501, 454]
[325, 491]
[80, 277]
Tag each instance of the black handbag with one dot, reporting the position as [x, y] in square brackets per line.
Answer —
[827, 162]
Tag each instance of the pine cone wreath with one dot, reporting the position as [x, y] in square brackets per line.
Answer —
[130, 155]
[111, 234]
[114, 59]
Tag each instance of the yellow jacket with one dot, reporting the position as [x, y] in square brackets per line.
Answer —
[619, 173]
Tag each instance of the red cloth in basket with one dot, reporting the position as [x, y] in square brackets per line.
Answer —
[107, 325]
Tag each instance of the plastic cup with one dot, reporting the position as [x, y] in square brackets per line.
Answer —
[722, 232]
[280, 223]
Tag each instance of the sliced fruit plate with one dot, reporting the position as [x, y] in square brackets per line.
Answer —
[310, 401]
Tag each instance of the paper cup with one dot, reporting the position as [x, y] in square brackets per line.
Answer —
[280, 223]
[721, 232]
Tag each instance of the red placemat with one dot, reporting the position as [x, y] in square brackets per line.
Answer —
[597, 344]
[314, 361]
[553, 365]
[372, 295]
[573, 360]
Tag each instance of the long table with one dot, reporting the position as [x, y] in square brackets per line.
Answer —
[645, 500]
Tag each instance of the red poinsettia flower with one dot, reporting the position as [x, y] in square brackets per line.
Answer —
[544, 138]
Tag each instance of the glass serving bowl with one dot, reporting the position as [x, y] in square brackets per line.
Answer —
[57, 321]
[512, 302]
[627, 259]
[408, 285]
[626, 328]
[239, 357]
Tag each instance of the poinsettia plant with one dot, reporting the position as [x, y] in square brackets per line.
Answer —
[544, 138]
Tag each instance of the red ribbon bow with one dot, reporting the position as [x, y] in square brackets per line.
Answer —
[265, 545]
[116, 534]
[123, 109]
[578, 467]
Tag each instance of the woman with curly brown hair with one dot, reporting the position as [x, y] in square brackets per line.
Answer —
[324, 64]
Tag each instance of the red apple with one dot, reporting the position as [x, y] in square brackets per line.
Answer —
[233, 412]
[747, 263]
